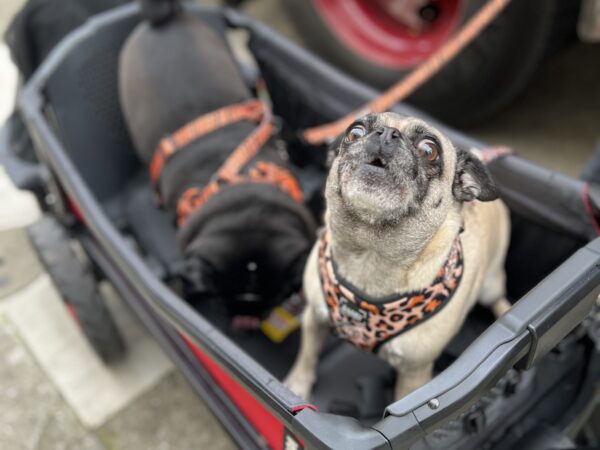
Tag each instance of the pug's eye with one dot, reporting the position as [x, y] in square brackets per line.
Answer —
[355, 133]
[428, 148]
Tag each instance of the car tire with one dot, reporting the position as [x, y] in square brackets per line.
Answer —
[484, 78]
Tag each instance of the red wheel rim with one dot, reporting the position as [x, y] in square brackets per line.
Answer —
[369, 30]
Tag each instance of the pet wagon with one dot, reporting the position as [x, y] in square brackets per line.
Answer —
[527, 380]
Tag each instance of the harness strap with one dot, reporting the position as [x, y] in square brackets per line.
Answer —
[229, 173]
[422, 73]
[264, 172]
[369, 323]
[252, 110]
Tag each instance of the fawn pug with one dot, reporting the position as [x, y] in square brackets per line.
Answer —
[413, 237]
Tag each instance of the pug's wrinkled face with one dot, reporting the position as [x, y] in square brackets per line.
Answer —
[388, 166]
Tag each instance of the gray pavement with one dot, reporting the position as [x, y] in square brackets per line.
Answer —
[33, 415]
[554, 123]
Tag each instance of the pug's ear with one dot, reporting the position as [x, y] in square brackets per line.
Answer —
[472, 181]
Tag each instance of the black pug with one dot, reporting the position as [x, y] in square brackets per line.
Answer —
[249, 242]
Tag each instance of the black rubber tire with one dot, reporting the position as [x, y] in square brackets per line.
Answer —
[484, 78]
[77, 285]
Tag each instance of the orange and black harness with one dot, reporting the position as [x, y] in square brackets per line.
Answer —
[369, 323]
[230, 172]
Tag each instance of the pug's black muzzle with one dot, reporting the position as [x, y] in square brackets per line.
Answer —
[381, 146]
[385, 152]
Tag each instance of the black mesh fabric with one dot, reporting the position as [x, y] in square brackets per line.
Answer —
[83, 98]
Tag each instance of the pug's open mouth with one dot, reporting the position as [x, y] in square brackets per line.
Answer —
[378, 163]
[373, 169]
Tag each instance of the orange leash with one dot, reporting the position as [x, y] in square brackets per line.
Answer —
[229, 173]
[423, 72]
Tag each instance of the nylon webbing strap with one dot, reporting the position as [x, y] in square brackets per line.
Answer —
[252, 110]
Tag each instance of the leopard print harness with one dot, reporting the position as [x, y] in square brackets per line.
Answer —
[369, 323]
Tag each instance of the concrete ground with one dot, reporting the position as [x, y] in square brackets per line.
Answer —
[555, 122]
[54, 394]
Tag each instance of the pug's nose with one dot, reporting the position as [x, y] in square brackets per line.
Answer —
[388, 136]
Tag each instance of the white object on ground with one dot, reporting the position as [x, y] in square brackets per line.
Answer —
[94, 391]
[18, 209]
[8, 80]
